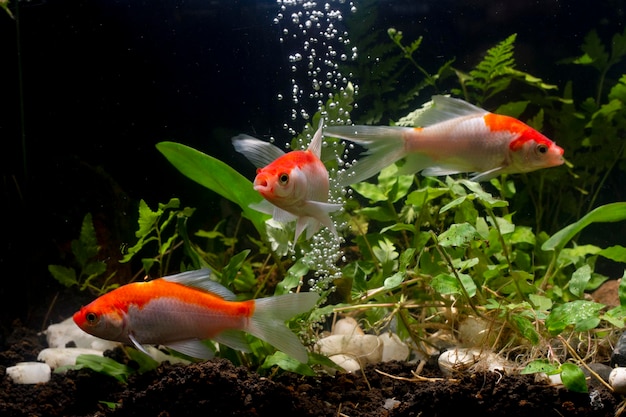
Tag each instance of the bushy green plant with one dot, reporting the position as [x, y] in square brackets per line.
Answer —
[87, 270]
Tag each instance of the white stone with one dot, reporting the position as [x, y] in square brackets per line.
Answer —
[617, 380]
[56, 357]
[364, 348]
[393, 348]
[29, 373]
[60, 334]
[347, 326]
[347, 362]
[476, 332]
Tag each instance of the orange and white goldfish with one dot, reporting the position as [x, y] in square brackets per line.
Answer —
[454, 137]
[180, 311]
[295, 183]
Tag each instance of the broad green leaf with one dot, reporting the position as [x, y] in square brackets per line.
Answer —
[216, 176]
[293, 278]
[580, 313]
[424, 195]
[287, 363]
[615, 253]
[621, 290]
[540, 365]
[458, 235]
[573, 378]
[609, 213]
[370, 191]
[579, 280]
[526, 328]
[394, 281]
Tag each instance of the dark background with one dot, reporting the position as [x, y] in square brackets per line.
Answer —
[104, 81]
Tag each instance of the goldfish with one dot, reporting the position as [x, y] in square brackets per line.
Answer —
[179, 311]
[453, 137]
[295, 183]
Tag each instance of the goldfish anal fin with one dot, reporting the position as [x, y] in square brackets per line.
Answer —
[444, 108]
[201, 278]
[234, 339]
[258, 152]
[192, 347]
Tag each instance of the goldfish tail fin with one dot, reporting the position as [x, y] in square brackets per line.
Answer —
[385, 145]
[268, 321]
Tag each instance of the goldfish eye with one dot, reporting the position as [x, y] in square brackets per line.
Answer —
[92, 318]
[283, 178]
[542, 149]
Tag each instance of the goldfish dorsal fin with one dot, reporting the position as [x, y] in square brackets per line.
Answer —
[316, 143]
[201, 278]
[443, 108]
[258, 152]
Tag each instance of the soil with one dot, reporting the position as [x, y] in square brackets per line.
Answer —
[218, 388]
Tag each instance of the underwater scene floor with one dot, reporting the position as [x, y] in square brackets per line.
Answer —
[218, 388]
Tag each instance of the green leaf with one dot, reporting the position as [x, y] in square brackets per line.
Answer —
[615, 253]
[370, 191]
[609, 213]
[287, 363]
[573, 378]
[394, 281]
[63, 274]
[86, 247]
[580, 313]
[540, 365]
[103, 365]
[526, 328]
[230, 271]
[216, 176]
[579, 280]
[621, 290]
[458, 235]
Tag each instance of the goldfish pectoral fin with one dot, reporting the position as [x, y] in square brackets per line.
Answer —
[320, 211]
[263, 206]
[138, 345]
[309, 224]
[192, 347]
[258, 152]
[487, 175]
[234, 339]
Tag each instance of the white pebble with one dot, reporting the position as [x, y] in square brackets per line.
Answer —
[29, 373]
[56, 357]
[617, 380]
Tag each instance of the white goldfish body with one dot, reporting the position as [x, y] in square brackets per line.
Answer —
[295, 183]
[454, 137]
[180, 311]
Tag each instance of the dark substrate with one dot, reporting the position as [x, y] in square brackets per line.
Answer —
[218, 388]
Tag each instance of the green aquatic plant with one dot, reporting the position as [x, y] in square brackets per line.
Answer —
[87, 271]
[166, 228]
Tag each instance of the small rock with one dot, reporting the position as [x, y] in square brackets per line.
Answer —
[618, 357]
[29, 373]
[617, 380]
[56, 357]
